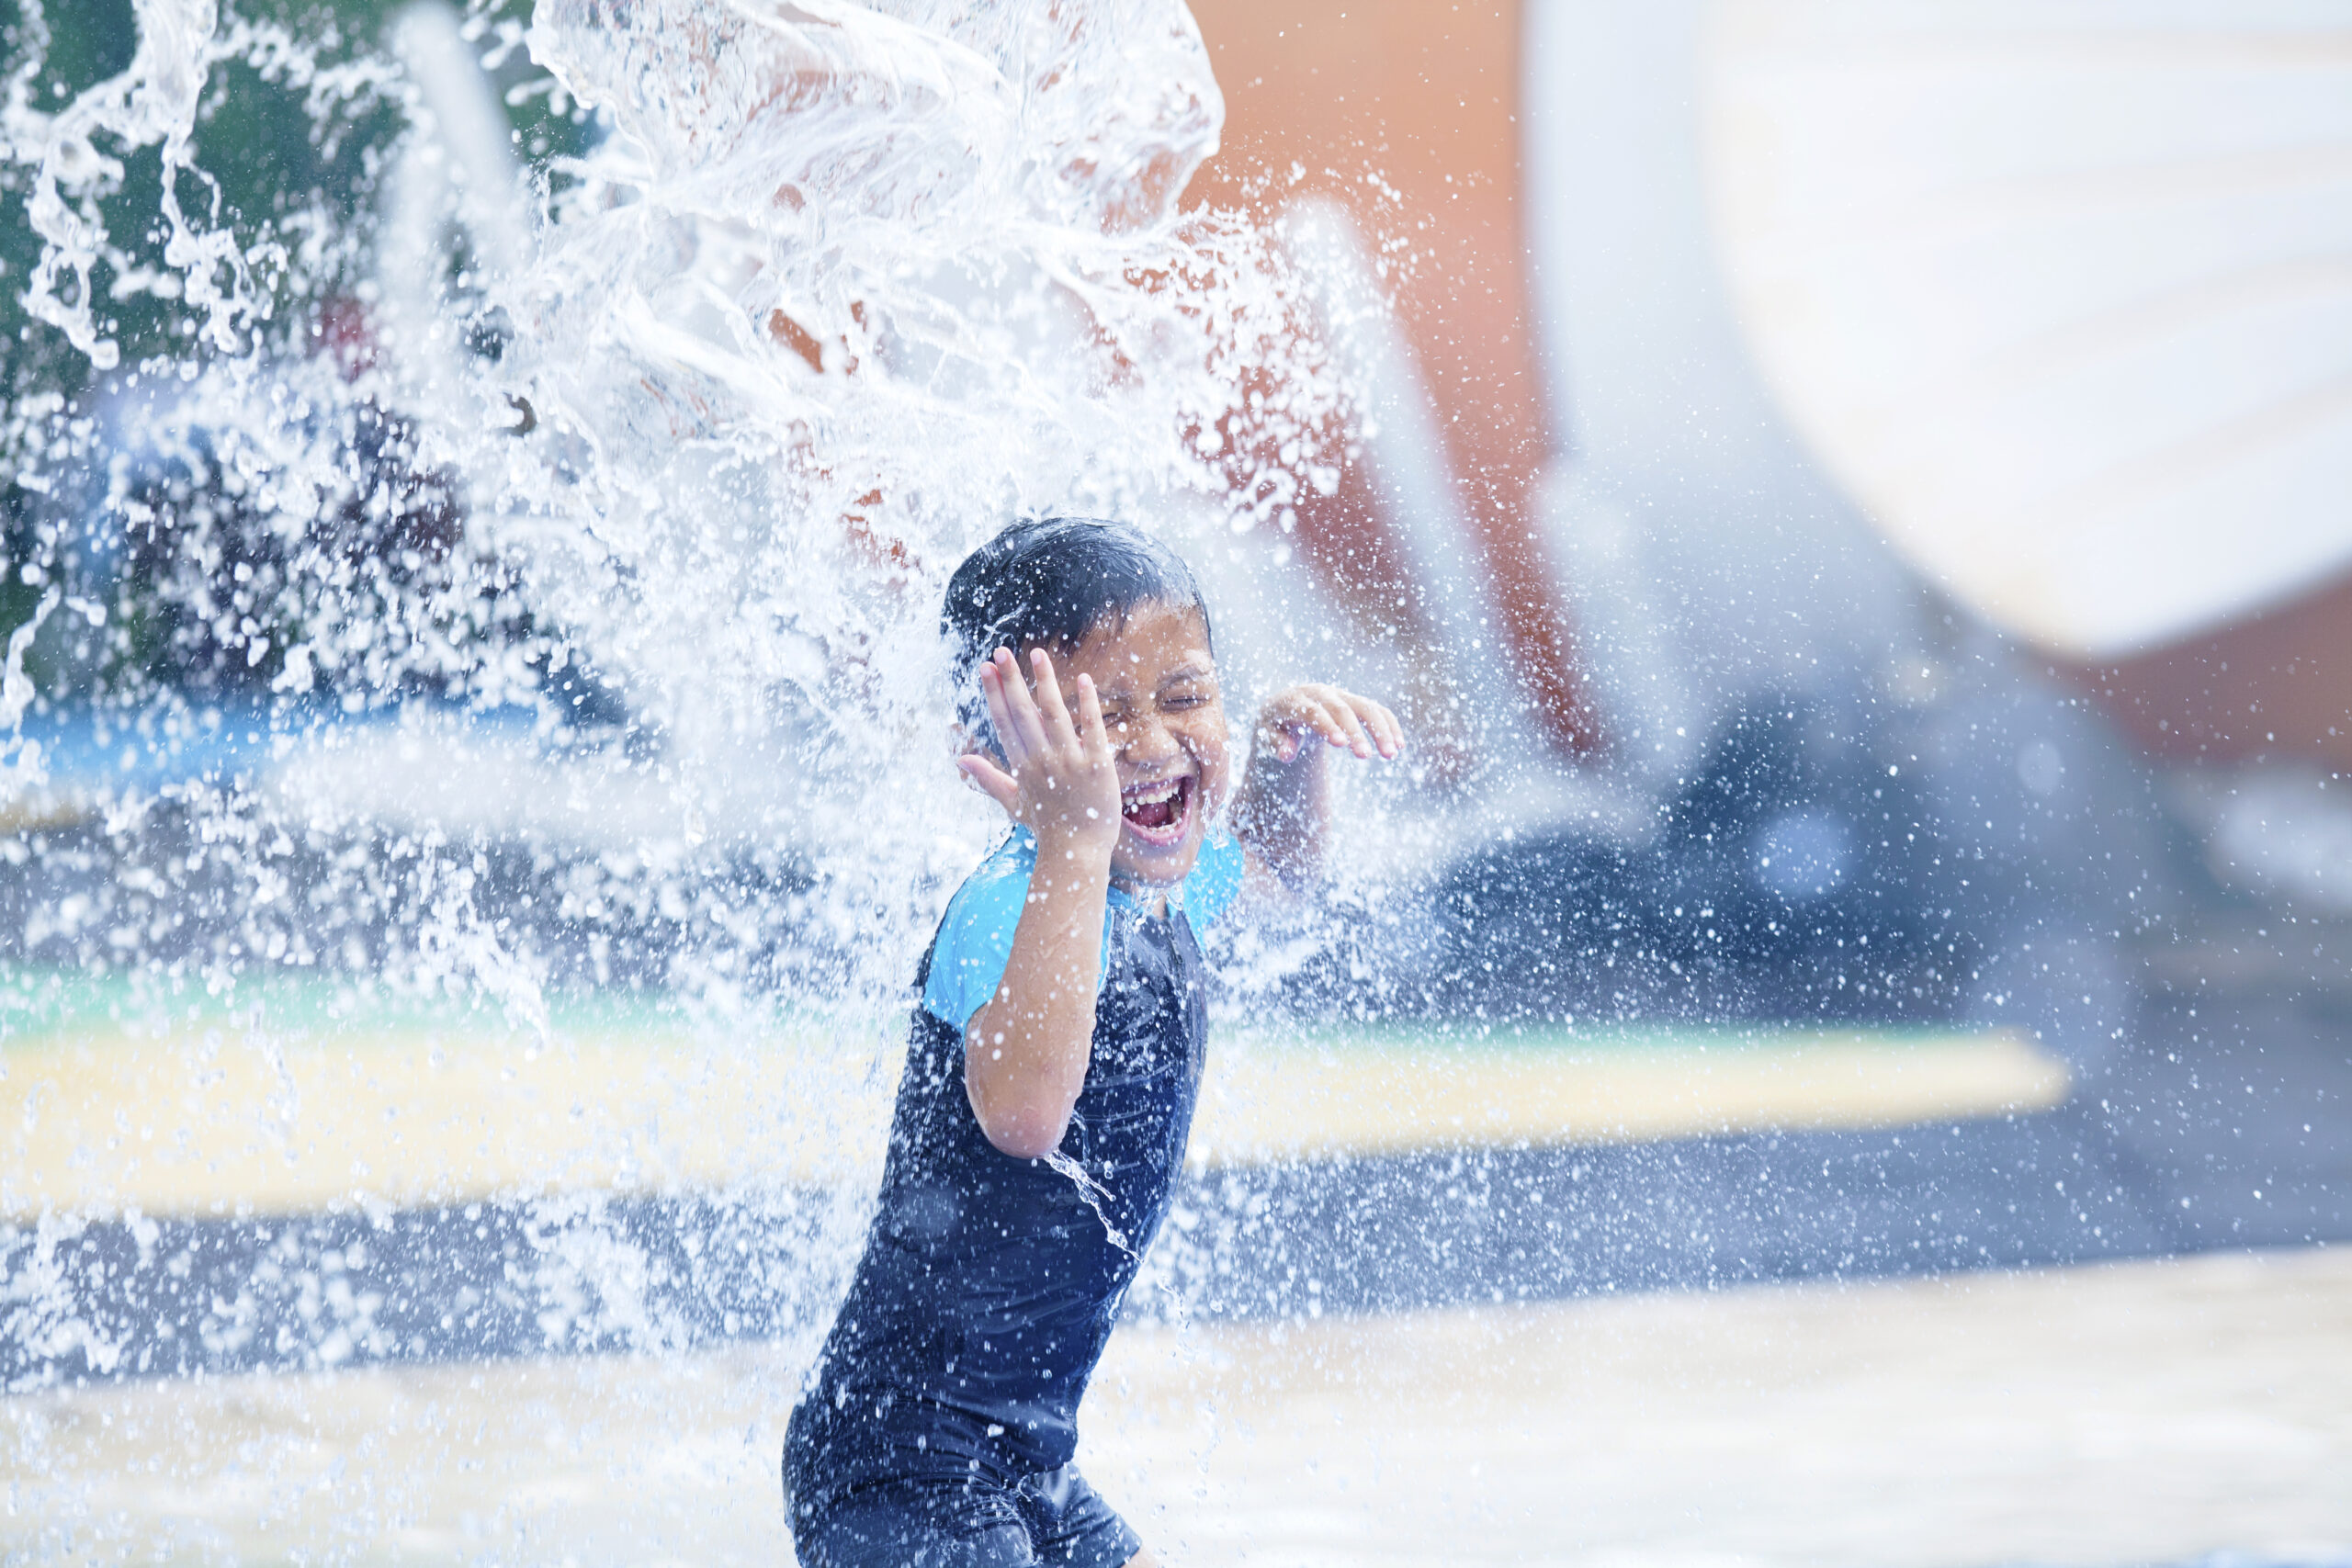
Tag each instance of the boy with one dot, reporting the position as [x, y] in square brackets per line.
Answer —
[1054, 1055]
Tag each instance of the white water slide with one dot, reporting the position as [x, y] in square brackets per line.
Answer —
[2060, 289]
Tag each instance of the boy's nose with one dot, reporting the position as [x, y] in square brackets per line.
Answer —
[1144, 740]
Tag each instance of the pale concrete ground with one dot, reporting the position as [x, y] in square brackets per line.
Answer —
[2134, 1412]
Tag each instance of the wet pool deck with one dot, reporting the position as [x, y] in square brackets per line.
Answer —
[306, 1193]
[2219, 1125]
[2141, 1413]
[1488, 1349]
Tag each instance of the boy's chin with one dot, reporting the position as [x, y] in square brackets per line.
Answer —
[1157, 867]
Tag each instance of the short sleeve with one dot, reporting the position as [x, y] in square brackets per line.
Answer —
[1215, 881]
[975, 941]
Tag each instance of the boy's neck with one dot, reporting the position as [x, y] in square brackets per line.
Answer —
[1149, 897]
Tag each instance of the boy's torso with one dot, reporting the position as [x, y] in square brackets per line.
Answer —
[989, 1283]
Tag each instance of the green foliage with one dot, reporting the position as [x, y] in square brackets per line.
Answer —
[288, 150]
[280, 162]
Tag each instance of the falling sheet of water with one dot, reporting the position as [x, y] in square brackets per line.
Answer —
[497, 581]
[844, 287]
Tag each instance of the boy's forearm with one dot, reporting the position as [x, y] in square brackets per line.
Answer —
[1282, 814]
[1026, 1052]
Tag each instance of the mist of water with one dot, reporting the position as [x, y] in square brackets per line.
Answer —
[515, 582]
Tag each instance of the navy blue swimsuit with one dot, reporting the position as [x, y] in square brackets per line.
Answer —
[946, 1397]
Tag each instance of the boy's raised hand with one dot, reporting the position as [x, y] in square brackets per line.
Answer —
[1292, 717]
[1060, 778]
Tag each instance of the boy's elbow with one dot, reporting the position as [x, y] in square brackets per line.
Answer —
[1023, 1133]
[1023, 1143]
[1015, 1123]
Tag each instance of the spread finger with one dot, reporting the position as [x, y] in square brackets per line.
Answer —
[1092, 733]
[1021, 707]
[1053, 713]
[1344, 725]
[1382, 724]
[1008, 739]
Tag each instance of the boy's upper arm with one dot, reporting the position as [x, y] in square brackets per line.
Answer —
[975, 941]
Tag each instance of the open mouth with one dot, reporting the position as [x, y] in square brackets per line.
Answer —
[1157, 812]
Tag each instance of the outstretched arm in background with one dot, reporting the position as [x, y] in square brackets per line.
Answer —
[1026, 1051]
[1284, 803]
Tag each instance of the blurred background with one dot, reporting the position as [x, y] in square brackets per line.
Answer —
[1852, 992]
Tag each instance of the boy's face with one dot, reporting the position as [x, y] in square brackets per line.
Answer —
[1156, 683]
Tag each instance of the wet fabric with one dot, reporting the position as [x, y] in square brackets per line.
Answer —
[984, 1519]
[989, 1283]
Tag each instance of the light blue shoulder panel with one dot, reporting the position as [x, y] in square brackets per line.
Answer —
[974, 939]
[975, 942]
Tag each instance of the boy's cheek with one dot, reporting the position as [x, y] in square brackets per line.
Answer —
[1207, 746]
[1216, 776]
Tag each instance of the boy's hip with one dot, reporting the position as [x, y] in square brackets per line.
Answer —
[842, 1440]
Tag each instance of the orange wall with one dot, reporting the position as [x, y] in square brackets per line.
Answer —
[1424, 96]
[2278, 688]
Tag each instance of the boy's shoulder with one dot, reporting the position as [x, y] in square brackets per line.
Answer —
[974, 946]
[1010, 863]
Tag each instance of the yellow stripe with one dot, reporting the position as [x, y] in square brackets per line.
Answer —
[198, 1125]
[212, 1121]
[1268, 1100]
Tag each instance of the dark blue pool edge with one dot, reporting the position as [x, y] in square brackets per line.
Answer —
[598, 1273]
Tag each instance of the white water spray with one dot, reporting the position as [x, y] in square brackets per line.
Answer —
[529, 574]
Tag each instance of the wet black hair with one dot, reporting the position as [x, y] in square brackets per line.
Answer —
[1048, 582]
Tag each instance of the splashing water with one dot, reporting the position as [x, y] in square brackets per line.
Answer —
[480, 584]
[889, 276]
[1095, 1195]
